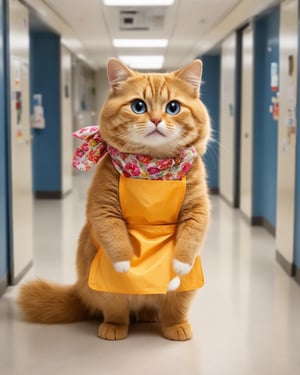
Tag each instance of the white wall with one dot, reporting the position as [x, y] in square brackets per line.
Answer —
[84, 95]
[102, 89]
[22, 223]
[227, 119]
[287, 132]
[246, 140]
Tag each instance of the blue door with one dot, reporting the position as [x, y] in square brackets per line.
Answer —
[266, 122]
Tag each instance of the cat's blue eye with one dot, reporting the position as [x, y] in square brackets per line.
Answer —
[173, 107]
[138, 106]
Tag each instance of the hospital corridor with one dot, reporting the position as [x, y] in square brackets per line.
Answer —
[65, 66]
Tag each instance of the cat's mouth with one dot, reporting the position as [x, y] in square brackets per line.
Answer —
[156, 131]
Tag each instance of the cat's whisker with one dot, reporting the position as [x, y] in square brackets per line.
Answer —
[212, 154]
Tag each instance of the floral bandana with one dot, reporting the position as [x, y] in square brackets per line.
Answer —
[130, 165]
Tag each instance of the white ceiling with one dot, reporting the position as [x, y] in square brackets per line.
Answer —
[191, 26]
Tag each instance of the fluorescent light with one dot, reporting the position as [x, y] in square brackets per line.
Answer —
[138, 3]
[143, 62]
[141, 43]
[82, 57]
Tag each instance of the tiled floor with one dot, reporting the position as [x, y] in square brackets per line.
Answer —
[246, 319]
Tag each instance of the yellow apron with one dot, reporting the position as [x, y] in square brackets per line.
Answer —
[150, 209]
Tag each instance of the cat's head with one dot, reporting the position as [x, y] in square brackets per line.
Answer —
[154, 114]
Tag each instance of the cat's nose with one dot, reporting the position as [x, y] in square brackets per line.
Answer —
[156, 121]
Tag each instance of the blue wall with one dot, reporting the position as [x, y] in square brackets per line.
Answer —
[3, 155]
[265, 127]
[210, 95]
[45, 80]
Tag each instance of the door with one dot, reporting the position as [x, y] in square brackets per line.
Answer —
[66, 121]
[246, 165]
[287, 134]
[3, 164]
[20, 140]
[227, 120]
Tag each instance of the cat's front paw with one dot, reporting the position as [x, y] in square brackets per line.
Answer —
[122, 266]
[181, 268]
[174, 284]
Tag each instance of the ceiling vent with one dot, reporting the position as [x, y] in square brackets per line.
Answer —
[142, 19]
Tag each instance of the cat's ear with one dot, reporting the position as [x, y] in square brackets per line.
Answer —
[117, 72]
[191, 73]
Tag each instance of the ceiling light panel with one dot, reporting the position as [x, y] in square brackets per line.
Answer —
[139, 3]
[140, 43]
[143, 62]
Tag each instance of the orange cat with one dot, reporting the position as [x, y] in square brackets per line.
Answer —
[138, 254]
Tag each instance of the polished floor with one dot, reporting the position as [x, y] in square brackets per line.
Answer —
[246, 319]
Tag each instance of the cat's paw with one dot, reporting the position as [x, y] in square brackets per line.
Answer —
[178, 332]
[112, 332]
[122, 266]
[174, 284]
[181, 268]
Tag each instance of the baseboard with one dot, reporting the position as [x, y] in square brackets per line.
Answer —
[17, 279]
[247, 219]
[256, 221]
[285, 264]
[297, 275]
[3, 285]
[231, 204]
[51, 194]
[269, 227]
[261, 221]
[48, 194]
[213, 191]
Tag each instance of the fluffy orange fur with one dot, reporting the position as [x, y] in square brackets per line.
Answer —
[129, 132]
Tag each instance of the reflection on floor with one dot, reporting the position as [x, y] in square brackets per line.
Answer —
[246, 319]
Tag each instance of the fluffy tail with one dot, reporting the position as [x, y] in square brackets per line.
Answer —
[45, 302]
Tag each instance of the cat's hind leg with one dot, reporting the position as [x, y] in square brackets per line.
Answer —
[147, 315]
[116, 318]
[174, 321]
